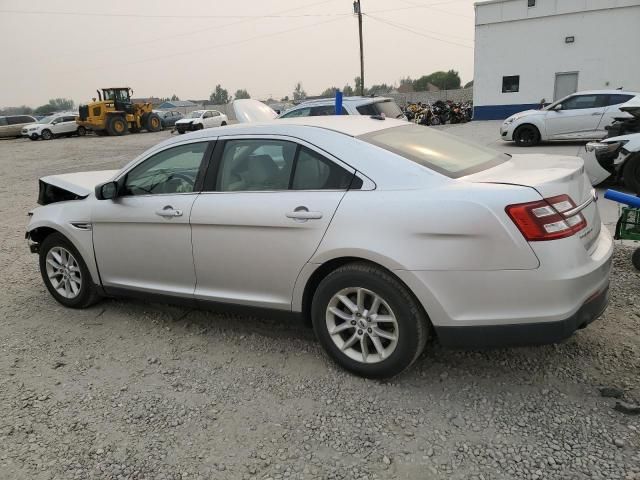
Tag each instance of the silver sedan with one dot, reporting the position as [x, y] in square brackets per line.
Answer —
[382, 234]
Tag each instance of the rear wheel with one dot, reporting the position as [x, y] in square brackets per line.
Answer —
[117, 125]
[65, 274]
[81, 131]
[526, 136]
[631, 173]
[46, 134]
[367, 321]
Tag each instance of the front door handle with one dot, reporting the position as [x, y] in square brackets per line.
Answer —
[302, 214]
[597, 113]
[168, 212]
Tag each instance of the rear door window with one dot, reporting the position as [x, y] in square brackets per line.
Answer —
[301, 112]
[618, 98]
[580, 102]
[314, 172]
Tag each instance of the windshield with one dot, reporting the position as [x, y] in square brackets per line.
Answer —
[196, 114]
[48, 119]
[447, 154]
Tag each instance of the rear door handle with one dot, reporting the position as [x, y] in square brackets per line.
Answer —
[303, 214]
[597, 113]
[168, 212]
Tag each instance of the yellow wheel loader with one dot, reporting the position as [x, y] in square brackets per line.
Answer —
[114, 114]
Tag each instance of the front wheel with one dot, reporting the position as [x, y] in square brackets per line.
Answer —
[526, 136]
[368, 321]
[81, 131]
[46, 134]
[117, 125]
[223, 124]
[65, 274]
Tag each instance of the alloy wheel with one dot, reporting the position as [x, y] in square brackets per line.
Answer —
[362, 325]
[64, 272]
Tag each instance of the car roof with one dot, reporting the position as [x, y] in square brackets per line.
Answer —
[592, 92]
[350, 125]
[331, 100]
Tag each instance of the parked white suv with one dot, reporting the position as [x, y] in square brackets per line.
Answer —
[579, 116]
[199, 119]
[53, 126]
[350, 106]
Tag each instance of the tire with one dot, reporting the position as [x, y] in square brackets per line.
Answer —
[200, 127]
[152, 122]
[33, 137]
[181, 132]
[46, 134]
[117, 125]
[101, 133]
[223, 124]
[404, 319]
[631, 173]
[635, 258]
[52, 252]
[526, 136]
[81, 132]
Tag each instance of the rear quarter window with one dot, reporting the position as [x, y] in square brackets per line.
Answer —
[446, 154]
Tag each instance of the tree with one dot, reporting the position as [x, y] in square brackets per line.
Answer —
[329, 92]
[380, 89]
[175, 97]
[55, 105]
[220, 96]
[21, 110]
[347, 90]
[358, 82]
[406, 85]
[242, 93]
[443, 80]
[299, 93]
[285, 98]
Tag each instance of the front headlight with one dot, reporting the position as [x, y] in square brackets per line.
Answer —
[33, 129]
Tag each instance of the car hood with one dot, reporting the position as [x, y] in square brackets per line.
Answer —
[81, 183]
[526, 113]
[31, 125]
[187, 120]
[250, 111]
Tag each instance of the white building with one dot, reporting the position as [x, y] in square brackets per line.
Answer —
[529, 50]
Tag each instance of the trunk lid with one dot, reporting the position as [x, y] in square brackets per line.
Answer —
[71, 186]
[632, 107]
[550, 176]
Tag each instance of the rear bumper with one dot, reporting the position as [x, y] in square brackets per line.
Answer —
[526, 334]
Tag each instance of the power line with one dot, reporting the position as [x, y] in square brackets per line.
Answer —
[188, 33]
[172, 17]
[421, 29]
[406, 29]
[430, 6]
[213, 47]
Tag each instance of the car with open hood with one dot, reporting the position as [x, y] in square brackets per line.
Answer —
[350, 106]
[579, 116]
[380, 233]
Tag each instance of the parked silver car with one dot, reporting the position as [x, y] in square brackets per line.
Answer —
[382, 233]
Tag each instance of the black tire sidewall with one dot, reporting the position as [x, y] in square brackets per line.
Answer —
[87, 289]
[517, 135]
[408, 318]
[81, 131]
[46, 134]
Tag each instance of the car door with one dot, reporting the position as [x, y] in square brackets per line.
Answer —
[207, 119]
[575, 117]
[142, 238]
[261, 218]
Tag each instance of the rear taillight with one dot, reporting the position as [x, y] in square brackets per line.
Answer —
[546, 219]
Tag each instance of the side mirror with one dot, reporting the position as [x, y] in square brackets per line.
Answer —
[557, 108]
[107, 191]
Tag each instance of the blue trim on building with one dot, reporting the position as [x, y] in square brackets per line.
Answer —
[500, 112]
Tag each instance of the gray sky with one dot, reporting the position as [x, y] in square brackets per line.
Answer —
[162, 47]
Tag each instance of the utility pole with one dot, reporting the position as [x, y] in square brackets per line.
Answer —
[357, 9]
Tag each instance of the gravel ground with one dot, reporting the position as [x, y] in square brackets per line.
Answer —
[131, 390]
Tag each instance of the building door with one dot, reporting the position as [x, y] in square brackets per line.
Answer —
[566, 84]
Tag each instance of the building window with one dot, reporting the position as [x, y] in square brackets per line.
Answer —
[511, 84]
[532, 3]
